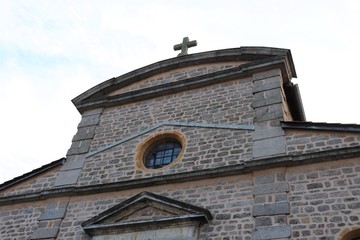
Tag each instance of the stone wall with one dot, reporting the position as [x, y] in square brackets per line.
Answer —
[309, 141]
[315, 201]
[41, 182]
[18, 221]
[177, 75]
[206, 147]
[225, 103]
[228, 199]
[324, 199]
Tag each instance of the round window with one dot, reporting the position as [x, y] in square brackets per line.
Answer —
[160, 150]
[162, 153]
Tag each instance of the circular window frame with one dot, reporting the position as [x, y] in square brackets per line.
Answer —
[349, 233]
[147, 144]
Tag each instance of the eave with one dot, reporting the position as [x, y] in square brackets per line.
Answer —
[321, 126]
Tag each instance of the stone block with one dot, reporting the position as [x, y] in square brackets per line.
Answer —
[270, 188]
[267, 74]
[267, 101]
[265, 178]
[263, 133]
[69, 177]
[84, 133]
[270, 112]
[92, 112]
[52, 214]
[266, 84]
[263, 221]
[79, 147]
[268, 94]
[89, 121]
[271, 209]
[274, 232]
[73, 164]
[269, 147]
[44, 233]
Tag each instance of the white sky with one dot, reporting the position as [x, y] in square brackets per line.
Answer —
[52, 51]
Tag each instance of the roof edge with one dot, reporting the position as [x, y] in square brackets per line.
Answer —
[242, 71]
[31, 174]
[242, 53]
[319, 126]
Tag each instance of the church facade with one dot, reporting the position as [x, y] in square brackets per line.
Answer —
[212, 145]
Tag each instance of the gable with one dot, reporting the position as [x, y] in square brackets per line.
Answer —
[147, 212]
[173, 75]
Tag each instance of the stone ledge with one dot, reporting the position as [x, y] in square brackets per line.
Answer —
[247, 167]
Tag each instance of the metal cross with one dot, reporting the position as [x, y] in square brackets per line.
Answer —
[184, 46]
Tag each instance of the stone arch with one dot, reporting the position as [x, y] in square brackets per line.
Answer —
[350, 233]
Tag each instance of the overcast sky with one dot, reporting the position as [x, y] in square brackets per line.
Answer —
[52, 51]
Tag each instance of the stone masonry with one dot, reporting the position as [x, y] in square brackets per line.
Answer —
[249, 158]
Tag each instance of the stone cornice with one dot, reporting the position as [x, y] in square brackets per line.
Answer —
[263, 59]
[247, 167]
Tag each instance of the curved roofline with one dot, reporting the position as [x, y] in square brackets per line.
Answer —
[232, 54]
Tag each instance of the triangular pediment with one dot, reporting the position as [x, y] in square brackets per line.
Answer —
[143, 212]
[154, 80]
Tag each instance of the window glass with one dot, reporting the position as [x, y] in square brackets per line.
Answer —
[162, 153]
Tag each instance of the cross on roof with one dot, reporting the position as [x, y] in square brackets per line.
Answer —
[184, 46]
